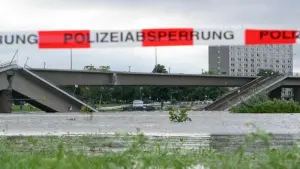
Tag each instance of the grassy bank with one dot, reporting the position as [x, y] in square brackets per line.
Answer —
[263, 104]
[56, 152]
[16, 108]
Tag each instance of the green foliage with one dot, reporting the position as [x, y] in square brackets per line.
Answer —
[140, 153]
[262, 104]
[179, 115]
[95, 95]
[85, 109]
[267, 72]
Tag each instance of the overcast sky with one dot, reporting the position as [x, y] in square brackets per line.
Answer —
[137, 14]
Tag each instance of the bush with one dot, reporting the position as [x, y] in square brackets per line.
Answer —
[262, 104]
[179, 115]
[85, 109]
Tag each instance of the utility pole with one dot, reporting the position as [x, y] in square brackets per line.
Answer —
[129, 68]
[169, 70]
[155, 59]
[44, 65]
[71, 59]
[26, 62]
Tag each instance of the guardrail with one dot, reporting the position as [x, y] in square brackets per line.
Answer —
[4, 64]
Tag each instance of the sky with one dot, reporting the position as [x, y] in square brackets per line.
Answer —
[137, 14]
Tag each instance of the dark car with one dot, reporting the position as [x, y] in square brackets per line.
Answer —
[149, 108]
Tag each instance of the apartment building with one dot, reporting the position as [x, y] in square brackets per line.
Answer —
[247, 60]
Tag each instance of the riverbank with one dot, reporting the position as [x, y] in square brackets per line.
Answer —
[25, 108]
[138, 152]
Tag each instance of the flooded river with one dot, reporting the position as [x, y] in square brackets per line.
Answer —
[220, 130]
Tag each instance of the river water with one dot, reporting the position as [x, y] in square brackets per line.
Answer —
[220, 130]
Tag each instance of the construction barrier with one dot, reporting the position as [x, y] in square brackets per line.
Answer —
[60, 39]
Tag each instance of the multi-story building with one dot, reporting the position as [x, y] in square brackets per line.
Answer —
[248, 60]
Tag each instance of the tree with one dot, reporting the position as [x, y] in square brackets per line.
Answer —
[159, 69]
[101, 94]
[267, 72]
[159, 93]
[121, 94]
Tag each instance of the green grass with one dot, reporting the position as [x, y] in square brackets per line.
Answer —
[141, 153]
[261, 103]
[16, 108]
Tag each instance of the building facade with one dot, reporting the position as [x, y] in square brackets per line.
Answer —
[247, 60]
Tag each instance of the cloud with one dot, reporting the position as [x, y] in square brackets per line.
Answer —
[133, 14]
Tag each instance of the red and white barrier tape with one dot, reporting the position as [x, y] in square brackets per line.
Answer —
[147, 38]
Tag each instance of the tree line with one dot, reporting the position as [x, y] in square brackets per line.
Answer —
[127, 94]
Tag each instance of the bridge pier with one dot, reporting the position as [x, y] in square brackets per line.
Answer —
[6, 95]
[5, 101]
[276, 93]
[296, 91]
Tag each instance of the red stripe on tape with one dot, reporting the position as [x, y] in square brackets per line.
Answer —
[258, 37]
[64, 39]
[168, 37]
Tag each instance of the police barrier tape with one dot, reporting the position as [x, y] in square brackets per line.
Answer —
[147, 38]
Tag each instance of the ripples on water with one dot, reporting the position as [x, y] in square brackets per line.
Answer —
[155, 124]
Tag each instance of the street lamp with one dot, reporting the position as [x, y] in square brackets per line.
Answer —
[26, 61]
[76, 86]
[141, 88]
[172, 95]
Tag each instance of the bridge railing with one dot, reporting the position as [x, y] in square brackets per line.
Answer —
[4, 64]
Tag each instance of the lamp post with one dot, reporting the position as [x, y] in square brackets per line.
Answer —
[71, 59]
[172, 95]
[76, 86]
[26, 61]
[155, 60]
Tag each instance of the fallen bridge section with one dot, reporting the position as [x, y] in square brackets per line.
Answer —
[217, 104]
[269, 86]
[42, 94]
